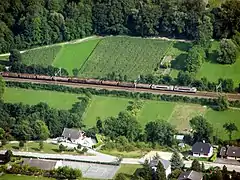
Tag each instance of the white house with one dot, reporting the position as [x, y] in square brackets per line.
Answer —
[166, 164]
[73, 135]
[202, 149]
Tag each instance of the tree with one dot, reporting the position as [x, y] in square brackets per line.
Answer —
[2, 133]
[99, 125]
[176, 161]
[195, 59]
[205, 32]
[62, 148]
[175, 174]
[202, 129]
[227, 52]
[121, 176]
[21, 144]
[41, 131]
[75, 72]
[160, 172]
[124, 125]
[196, 166]
[15, 56]
[230, 128]
[222, 103]
[225, 173]
[203, 167]
[41, 145]
[184, 78]
[160, 132]
[2, 87]
[66, 172]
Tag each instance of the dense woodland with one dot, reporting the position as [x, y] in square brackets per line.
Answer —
[30, 23]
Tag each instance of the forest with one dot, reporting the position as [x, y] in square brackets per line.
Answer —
[29, 23]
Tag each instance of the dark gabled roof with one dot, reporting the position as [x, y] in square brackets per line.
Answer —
[190, 175]
[71, 133]
[40, 163]
[165, 163]
[202, 148]
[233, 151]
[223, 151]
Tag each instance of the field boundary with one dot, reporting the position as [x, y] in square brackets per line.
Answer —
[80, 69]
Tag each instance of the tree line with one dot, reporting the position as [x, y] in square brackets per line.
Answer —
[36, 122]
[28, 23]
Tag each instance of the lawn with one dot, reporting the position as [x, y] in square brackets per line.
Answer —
[220, 118]
[178, 114]
[104, 107]
[74, 55]
[129, 168]
[54, 99]
[22, 177]
[34, 147]
[125, 56]
[153, 110]
[41, 56]
[213, 71]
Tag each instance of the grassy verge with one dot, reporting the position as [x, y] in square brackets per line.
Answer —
[125, 154]
[22, 177]
[34, 147]
[129, 169]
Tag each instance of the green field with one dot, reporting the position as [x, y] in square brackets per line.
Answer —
[22, 177]
[178, 114]
[124, 55]
[54, 99]
[129, 168]
[74, 55]
[41, 56]
[213, 71]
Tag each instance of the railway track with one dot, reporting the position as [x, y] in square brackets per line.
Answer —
[201, 94]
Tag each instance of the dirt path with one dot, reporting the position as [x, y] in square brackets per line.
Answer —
[58, 44]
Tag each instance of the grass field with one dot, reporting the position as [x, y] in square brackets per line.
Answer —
[124, 55]
[213, 71]
[22, 177]
[42, 56]
[129, 168]
[54, 99]
[74, 55]
[178, 114]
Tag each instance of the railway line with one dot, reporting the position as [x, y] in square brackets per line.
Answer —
[199, 94]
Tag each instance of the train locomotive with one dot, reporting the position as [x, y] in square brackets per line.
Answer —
[101, 82]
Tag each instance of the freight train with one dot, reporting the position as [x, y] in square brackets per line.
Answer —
[101, 82]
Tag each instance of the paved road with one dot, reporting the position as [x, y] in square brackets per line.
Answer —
[97, 158]
[187, 164]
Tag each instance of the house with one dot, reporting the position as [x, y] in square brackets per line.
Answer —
[202, 149]
[166, 164]
[5, 156]
[73, 135]
[230, 152]
[42, 163]
[191, 175]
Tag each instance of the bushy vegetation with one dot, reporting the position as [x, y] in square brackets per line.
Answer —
[37, 122]
[42, 56]
[125, 56]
